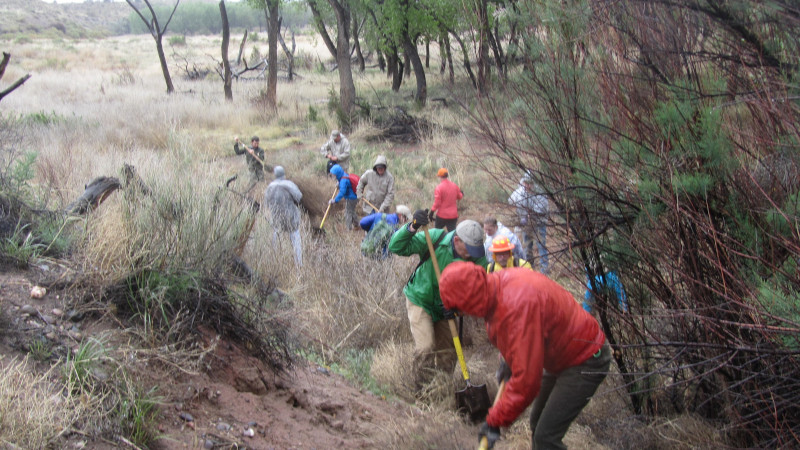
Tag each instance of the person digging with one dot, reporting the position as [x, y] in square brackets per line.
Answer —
[433, 344]
[255, 159]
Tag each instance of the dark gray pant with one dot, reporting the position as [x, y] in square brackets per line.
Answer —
[562, 397]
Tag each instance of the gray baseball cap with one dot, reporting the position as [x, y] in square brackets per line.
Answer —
[471, 233]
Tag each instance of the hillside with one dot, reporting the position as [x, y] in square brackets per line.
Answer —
[66, 20]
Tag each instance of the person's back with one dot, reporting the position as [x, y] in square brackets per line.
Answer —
[445, 201]
[281, 198]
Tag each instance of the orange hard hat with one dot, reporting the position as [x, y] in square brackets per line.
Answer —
[501, 244]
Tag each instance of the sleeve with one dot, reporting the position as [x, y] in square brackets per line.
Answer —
[525, 357]
[296, 194]
[366, 222]
[344, 156]
[387, 201]
[460, 193]
[361, 184]
[342, 190]
[437, 198]
[325, 149]
[238, 150]
[406, 243]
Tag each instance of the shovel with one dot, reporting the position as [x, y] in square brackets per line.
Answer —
[484, 443]
[328, 209]
[370, 204]
[472, 400]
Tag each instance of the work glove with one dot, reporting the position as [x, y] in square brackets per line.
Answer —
[420, 219]
[431, 215]
[492, 434]
[330, 202]
[448, 314]
[503, 372]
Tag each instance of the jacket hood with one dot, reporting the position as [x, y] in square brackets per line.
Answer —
[466, 287]
[380, 160]
[337, 171]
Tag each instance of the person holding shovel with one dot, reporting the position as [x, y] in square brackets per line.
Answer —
[255, 159]
[433, 342]
[555, 354]
[376, 186]
[346, 192]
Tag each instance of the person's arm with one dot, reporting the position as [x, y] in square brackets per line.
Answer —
[237, 149]
[325, 149]
[366, 222]
[342, 190]
[344, 155]
[296, 194]
[406, 242]
[437, 199]
[361, 184]
[387, 201]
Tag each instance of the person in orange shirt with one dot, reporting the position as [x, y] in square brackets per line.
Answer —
[445, 201]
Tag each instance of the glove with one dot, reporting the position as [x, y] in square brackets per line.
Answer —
[492, 434]
[420, 219]
[503, 372]
[330, 202]
[448, 313]
[431, 216]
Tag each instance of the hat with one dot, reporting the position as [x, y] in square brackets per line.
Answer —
[442, 172]
[335, 133]
[471, 233]
[404, 210]
[501, 244]
[279, 172]
[254, 138]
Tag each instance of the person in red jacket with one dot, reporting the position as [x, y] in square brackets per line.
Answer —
[554, 351]
[445, 201]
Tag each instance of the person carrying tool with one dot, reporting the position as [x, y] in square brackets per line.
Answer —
[445, 201]
[501, 251]
[282, 198]
[376, 187]
[555, 353]
[255, 159]
[380, 227]
[347, 193]
[495, 229]
[433, 344]
[337, 150]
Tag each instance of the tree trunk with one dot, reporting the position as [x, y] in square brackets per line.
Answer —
[464, 53]
[273, 28]
[158, 34]
[241, 48]
[484, 72]
[427, 53]
[347, 89]
[16, 84]
[289, 53]
[381, 60]
[162, 58]
[357, 47]
[226, 64]
[323, 32]
[452, 75]
[410, 50]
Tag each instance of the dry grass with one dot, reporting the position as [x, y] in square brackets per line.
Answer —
[34, 411]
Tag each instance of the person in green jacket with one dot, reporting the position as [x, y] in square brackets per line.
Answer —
[433, 343]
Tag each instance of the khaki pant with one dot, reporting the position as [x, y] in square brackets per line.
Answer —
[433, 345]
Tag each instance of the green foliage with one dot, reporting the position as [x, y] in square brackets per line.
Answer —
[40, 349]
[780, 299]
[353, 364]
[138, 415]
[21, 247]
[179, 40]
[77, 370]
[315, 119]
[152, 297]
[44, 118]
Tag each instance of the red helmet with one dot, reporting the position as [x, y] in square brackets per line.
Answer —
[501, 244]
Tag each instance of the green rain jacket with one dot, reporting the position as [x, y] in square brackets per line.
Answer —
[422, 288]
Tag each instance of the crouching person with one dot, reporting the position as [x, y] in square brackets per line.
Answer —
[555, 353]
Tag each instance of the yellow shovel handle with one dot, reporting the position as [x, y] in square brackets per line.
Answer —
[457, 344]
[329, 208]
[484, 444]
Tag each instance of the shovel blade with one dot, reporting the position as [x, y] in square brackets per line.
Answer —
[473, 402]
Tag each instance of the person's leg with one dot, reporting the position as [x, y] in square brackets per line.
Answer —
[298, 248]
[548, 382]
[350, 213]
[571, 391]
[541, 244]
[422, 331]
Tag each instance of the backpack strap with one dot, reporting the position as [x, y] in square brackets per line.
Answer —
[491, 266]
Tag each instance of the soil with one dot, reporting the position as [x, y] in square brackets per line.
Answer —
[236, 402]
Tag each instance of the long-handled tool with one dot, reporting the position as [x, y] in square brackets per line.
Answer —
[329, 208]
[484, 444]
[370, 204]
[472, 400]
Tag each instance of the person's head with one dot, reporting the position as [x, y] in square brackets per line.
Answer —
[336, 136]
[254, 141]
[442, 173]
[380, 165]
[501, 250]
[468, 240]
[337, 171]
[403, 213]
[464, 287]
[490, 225]
[278, 172]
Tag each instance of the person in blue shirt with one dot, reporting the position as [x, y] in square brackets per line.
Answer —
[610, 283]
[375, 243]
[348, 193]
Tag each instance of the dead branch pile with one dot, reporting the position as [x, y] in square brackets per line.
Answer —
[398, 126]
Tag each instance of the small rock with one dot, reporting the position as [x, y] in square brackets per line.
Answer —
[57, 312]
[249, 432]
[323, 371]
[38, 292]
[28, 309]
[52, 336]
[222, 426]
[47, 319]
[74, 335]
[79, 444]
[208, 444]
[186, 417]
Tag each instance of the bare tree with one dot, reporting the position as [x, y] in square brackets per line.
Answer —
[158, 31]
[226, 64]
[16, 84]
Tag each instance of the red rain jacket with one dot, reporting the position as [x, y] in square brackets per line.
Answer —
[534, 322]
[445, 199]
